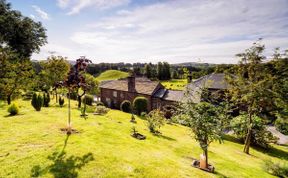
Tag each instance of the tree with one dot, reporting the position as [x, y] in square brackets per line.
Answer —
[251, 87]
[155, 120]
[75, 80]
[20, 33]
[203, 119]
[15, 73]
[54, 70]
[160, 70]
[148, 70]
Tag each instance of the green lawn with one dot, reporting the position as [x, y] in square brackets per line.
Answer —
[175, 84]
[112, 75]
[32, 144]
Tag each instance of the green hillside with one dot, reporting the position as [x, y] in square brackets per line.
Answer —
[32, 145]
[112, 75]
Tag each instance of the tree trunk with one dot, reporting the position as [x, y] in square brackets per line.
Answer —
[9, 99]
[69, 131]
[206, 155]
[249, 134]
[79, 101]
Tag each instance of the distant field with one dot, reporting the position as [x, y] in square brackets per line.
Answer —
[112, 75]
[175, 84]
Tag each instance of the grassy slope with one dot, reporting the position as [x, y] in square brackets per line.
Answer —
[112, 75]
[175, 84]
[32, 141]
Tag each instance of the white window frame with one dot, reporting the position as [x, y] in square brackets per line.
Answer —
[115, 94]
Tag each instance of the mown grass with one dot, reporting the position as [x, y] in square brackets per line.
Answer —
[31, 144]
[112, 75]
[175, 84]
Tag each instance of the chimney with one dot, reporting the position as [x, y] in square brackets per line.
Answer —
[131, 83]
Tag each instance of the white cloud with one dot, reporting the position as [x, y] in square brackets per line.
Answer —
[32, 16]
[75, 6]
[179, 31]
[41, 13]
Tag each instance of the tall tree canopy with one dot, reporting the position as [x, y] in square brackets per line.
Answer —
[20, 33]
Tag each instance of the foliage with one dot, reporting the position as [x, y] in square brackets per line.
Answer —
[276, 169]
[37, 101]
[281, 125]
[13, 109]
[20, 33]
[88, 99]
[260, 135]
[163, 71]
[61, 101]
[125, 106]
[175, 84]
[102, 110]
[46, 99]
[155, 120]
[99, 103]
[93, 84]
[27, 95]
[140, 104]
[251, 87]
[203, 119]
[169, 111]
[15, 73]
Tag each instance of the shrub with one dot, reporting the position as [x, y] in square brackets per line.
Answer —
[37, 101]
[169, 111]
[102, 110]
[282, 125]
[260, 135]
[276, 169]
[13, 109]
[155, 119]
[73, 95]
[125, 106]
[88, 99]
[46, 99]
[99, 103]
[140, 104]
[61, 101]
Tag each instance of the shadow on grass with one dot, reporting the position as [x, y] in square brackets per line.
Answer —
[164, 137]
[274, 152]
[9, 115]
[63, 166]
[231, 138]
[220, 175]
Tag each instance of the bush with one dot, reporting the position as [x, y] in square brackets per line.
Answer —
[125, 106]
[46, 99]
[13, 109]
[282, 125]
[140, 104]
[155, 119]
[61, 101]
[260, 135]
[169, 111]
[37, 101]
[88, 99]
[102, 110]
[73, 95]
[276, 169]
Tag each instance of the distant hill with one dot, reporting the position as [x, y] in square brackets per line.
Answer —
[112, 75]
[194, 64]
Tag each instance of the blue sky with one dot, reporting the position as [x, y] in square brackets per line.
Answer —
[160, 30]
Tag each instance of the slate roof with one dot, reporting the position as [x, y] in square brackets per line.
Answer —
[173, 95]
[142, 85]
[212, 81]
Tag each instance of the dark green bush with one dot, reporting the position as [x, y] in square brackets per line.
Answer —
[46, 99]
[125, 106]
[282, 125]
[276, 169]
[61, 101]
[37, 101]
[260, 135]
[88, 99]
[140, 104]
[13, 109]
[169, 111]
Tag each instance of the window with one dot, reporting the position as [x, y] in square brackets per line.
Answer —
[122, 95]
[115, 93]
